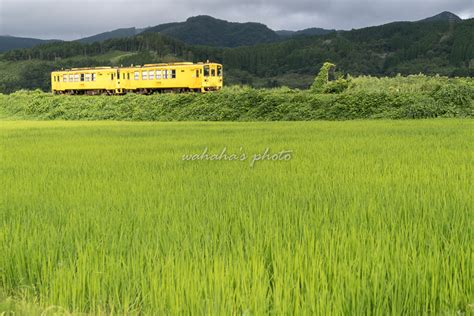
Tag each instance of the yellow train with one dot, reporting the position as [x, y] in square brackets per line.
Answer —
[150, 78]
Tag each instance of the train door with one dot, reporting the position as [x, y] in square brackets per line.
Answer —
[118, 88]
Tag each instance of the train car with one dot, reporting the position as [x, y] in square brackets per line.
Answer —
[98, 80]
[150, 78]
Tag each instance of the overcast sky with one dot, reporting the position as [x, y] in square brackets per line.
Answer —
[72, 19]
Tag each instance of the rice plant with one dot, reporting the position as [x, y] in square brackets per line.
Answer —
[367, 217]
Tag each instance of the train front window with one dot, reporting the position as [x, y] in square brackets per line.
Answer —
[213, 72]
[206, 71]
[219, 71]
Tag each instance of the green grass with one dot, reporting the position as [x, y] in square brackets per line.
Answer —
[368, 217]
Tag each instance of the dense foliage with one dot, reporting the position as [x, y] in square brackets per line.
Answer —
[366, 98]
[429, 47]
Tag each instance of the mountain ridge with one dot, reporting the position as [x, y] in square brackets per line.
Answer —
[117, 33]
[205, 30]
[428, 47]
[312, 31]
[443, 16]
[209, 31]
[17, 42]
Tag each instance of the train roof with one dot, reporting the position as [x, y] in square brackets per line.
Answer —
[85, 68]
[169, 64]
[137, 66]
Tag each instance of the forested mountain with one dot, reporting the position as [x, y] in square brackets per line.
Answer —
[443, 16]
[12, 42]
[307, 32]
[119, 33]
[438, 46]
[206, 30]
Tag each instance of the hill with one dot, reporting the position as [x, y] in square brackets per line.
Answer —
[306, 32]
[118, 33]
[12, 42]
[206, 30]
[443, 16]
[429, 47]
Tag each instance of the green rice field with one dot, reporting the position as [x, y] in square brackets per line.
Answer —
[337, 218]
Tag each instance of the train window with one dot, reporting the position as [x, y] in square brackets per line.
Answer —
[111, 76]
[65, 78]
[165, 74]
[197, 73]
[123, 76]
[219, 71]
[88, 77]
[93, 77]
[128, 76]
[151, 75]
[158, 74]
[213, 72]
[76, 78]
[82, 77]
[206, 71]
[144, 75]
[136, 75]
[54, 78]
[173, 74]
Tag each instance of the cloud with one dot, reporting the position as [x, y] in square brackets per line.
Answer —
[71, 19]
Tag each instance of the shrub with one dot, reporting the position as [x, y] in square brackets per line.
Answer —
[363, 98]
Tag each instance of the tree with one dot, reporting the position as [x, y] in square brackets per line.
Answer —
[323, 77]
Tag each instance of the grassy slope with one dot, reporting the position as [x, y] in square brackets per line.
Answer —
[366, 217]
